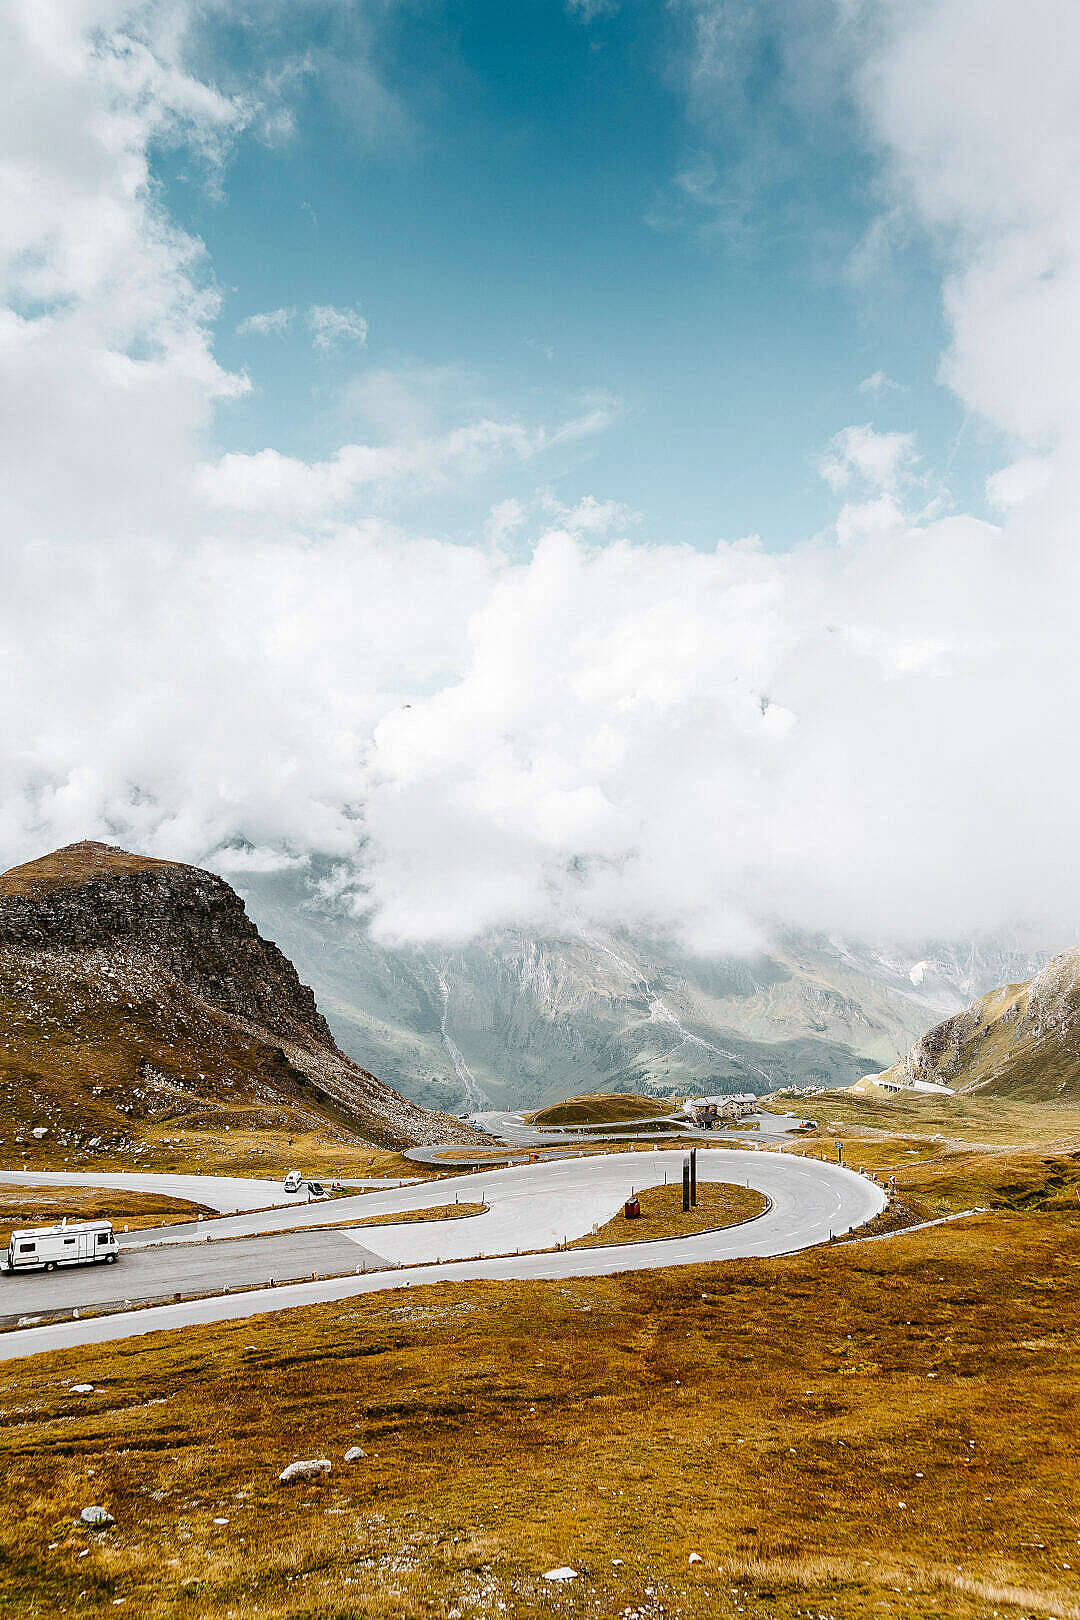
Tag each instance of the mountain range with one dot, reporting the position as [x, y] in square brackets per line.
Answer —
[519, 1020]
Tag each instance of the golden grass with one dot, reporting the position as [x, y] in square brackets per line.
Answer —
[438, 1212]
[992, 1121]
[38, 1206]
[860, 1431]
[74, 865]
[601, 1108]
[719, 1204]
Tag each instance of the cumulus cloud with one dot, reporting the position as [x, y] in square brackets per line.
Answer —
[235, 659]
[879, 459]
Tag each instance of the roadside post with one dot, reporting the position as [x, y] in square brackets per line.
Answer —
[839, 1152]
[686, 1186]
[693, 1177]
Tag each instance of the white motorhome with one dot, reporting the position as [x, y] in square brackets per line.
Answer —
[82, 1243]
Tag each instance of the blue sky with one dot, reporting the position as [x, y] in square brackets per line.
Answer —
[535, 213]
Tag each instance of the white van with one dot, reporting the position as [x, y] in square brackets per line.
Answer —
[80, 1244]
[294, 1181]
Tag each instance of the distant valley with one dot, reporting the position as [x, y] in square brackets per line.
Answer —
[517, 1020]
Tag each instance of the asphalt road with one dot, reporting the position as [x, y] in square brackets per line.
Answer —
[194, 1268]
[532, 1206]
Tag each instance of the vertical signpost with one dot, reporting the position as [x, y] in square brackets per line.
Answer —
[686, 1186]
[839, 1152]
[693, 1178]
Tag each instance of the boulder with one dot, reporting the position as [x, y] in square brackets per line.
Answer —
[355, 1453]
[308, 1468]
[563, 1573]
[98, 1517]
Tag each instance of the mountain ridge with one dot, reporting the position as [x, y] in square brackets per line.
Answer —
[1021, 1040]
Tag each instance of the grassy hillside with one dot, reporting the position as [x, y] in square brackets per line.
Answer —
[600, 1108]
[869, 1430]
[1022, 1041]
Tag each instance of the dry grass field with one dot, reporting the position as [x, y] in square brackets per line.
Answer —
[978, 1119]
[870, 1429]
[38, 1206]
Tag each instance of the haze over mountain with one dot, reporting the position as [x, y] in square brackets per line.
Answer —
[518, 1019]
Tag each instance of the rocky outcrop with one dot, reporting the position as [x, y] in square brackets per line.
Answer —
[187, 920]
[146, 984]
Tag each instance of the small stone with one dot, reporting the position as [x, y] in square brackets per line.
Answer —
[695, 1558]
[355, 1453]
[563, 1573]
[82, 1389]
[308, 1468]
[96, 1516]
[221, 1521]
[39, 1132]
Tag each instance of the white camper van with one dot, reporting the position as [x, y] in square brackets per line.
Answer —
[81, 1243]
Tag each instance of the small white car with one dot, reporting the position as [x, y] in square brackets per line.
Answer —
[294, 1181]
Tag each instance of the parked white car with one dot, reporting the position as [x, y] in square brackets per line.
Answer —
[80, 1244]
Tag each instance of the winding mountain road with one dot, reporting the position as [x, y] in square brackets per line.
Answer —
[530, 1207]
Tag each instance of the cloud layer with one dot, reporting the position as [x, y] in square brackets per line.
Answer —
[561, 724]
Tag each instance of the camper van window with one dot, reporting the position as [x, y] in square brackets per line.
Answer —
[27, 1248]
[103, 1237]
[69, 1240]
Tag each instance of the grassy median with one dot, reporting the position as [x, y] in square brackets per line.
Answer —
[662, 1214]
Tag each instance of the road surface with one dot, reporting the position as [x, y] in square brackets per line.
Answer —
[531, 1206]
[223, 1193]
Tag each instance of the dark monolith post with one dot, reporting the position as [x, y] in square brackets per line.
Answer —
[686, 1186]
[693, 1177]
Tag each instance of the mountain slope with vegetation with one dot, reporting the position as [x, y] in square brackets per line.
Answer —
[137, 996]
[1021, 1041]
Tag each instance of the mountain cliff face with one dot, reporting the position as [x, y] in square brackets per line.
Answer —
[138, 988]
[517, 1020]
[1020, 1041]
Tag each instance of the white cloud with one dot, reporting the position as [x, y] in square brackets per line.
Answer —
[1013, 485]
[879, 459]
[235, 657]
[292, 490]
[330, 326]
[269, 322]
